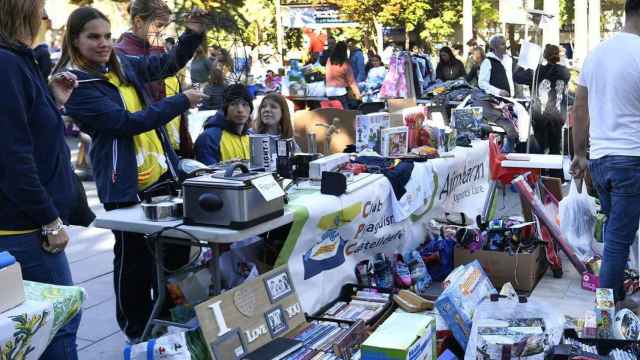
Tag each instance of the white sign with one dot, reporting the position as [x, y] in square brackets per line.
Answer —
[530, 55]
[268, 187]
[513, 12]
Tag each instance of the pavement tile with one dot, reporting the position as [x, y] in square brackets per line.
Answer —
[87, 242]
[110, 348]
[92, 267]
[99, 321]
[98, 290]
[82, 343]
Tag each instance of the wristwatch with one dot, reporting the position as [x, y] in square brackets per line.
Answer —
[54, 230]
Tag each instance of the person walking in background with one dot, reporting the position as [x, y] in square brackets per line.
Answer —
[149, 18]
[550, 102]
[200, 67]
[356, 58]
[37, 189]
[339, 76]
[214, 91]
[328, 49]
[449, 67]
[606, 142]
[169, 44]
[473, 66]
[496, 71]
[131, 151]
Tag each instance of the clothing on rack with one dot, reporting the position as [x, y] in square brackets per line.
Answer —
[399, 80]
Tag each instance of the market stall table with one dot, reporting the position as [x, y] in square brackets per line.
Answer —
[27, 330]
[174, 232]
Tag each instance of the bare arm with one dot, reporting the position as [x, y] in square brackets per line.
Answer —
[580, 133]
[581, 122]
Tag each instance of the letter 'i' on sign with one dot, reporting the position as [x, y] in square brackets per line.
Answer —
[217, 314]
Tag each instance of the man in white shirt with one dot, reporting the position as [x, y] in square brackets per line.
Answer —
[496, 71]
[607, 109]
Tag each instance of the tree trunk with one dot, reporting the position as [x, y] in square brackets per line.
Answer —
[407, 37]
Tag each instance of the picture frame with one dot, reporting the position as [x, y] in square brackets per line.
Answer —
[395, 141]
[230, 346]
[368, 129]
[278, 286]
[276, 321]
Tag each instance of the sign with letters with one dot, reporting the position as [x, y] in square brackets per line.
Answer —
[250, 315]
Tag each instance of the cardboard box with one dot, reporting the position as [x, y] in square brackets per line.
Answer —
[501, 267]
[468, 286]
[12, 293]
[402, 336]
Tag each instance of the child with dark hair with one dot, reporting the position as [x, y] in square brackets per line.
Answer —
[225, 136]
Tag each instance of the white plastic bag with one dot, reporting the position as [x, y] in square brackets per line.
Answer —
[578, 221]
[168, 347]
[508, 322]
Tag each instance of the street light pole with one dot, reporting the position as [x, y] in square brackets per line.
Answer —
[279, 33]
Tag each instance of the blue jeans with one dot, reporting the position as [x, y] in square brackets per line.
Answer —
[38, 265]
[617, 180]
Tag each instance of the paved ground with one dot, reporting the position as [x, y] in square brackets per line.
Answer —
[99, 338]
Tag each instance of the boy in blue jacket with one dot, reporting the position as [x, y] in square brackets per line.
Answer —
[226, 134]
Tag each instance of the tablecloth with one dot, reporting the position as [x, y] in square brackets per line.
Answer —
[27, 330]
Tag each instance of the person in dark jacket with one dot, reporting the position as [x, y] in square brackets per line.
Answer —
[473, 67]
[449, 67]
[226, 134]
[356, 58]
[131, 151]
[148, 19]
[43, 57]
[36, 179]
[214, 91]
[550, 101]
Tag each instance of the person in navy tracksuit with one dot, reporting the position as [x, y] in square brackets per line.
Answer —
[37, 189]
[127, 127]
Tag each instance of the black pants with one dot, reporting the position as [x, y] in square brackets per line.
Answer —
[133, 281]
[134, 277]
[548, 135]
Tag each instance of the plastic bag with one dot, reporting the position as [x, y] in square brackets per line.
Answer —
[239, 263]
[578, 221]
[169, 347]
[529, 330]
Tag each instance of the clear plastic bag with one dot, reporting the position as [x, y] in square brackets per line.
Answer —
[578, 221]
[528, 330]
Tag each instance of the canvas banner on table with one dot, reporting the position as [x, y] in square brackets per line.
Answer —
[330, 234]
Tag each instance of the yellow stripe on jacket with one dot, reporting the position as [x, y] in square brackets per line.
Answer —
[16, 232]
[150, 157]
[171, 88]
[234, 147]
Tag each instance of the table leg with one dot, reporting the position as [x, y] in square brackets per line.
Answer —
[214, 267]
[162, 288]
[489, 200]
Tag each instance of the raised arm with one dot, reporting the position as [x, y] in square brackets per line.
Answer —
[93, 110]
[157, 67]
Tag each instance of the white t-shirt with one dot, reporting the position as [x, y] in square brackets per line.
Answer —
[611, 73]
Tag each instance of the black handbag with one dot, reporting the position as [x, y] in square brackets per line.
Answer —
[80, 214]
